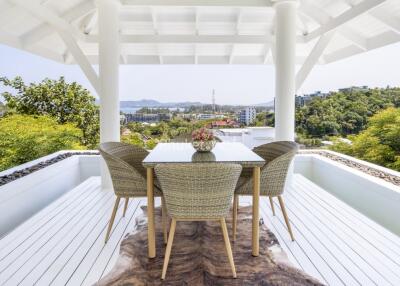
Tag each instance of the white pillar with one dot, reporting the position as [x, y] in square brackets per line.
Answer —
[285, 73]
[109, 77]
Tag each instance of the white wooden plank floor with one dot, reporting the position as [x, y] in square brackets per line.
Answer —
[64, 243]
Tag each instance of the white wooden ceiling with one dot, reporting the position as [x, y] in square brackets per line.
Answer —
[200, 31]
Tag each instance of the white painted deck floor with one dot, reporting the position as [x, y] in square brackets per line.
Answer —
[64, 243]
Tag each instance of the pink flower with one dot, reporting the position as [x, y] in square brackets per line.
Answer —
[202, 134]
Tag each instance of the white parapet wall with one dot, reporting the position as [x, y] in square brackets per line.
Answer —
[372, 196]
[250, 136]
[22, 198]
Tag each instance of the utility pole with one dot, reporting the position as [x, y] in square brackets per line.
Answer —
[213, 100]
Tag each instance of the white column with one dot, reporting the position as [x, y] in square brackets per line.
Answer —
[285, 61]
[109, 77]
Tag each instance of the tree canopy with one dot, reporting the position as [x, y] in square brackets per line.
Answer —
[66, 102]
[343, 113]
[379, 143]
[25, 138]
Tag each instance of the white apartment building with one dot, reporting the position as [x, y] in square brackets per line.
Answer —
[247, 115]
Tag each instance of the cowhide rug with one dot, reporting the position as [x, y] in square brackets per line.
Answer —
[198, 257]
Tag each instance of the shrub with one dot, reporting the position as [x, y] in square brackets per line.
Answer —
[25, 138]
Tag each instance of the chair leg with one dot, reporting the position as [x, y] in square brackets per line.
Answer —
[168, 249]
[126, 206]
[228, 246]
[164, 219]
[285, 217]
[234, 216]
[112, 218]
[272, 206]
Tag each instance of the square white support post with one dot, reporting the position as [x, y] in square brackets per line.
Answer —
[109, 51]
[285, 72]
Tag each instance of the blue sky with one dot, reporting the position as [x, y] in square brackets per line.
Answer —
[233, 84]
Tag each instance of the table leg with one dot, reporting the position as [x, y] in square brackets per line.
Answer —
[151, 234]
[256, 198]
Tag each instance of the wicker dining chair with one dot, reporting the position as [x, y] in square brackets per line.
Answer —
[278, 156]
[198, 192]
[124, 161]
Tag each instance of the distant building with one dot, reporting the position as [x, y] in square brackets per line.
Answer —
[186, 116]
[351, 89]
[227, 123]
[205, 116]
[147, 117]
[302, 100]
[122, 119]
[247, 115]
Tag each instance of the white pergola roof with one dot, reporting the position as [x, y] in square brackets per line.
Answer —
[199, 31]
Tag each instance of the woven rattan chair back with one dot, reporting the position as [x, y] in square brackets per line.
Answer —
[124, 161]
[198, 191]
[278, 156]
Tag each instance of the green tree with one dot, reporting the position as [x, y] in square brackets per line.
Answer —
[137, 139]
[151, 143]
[343, 113]
[25, 138]
[133, 138]
[66, 102]
[135, 127]
[379, 143]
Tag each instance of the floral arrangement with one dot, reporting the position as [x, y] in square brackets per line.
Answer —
[203, 140]
[202, 134]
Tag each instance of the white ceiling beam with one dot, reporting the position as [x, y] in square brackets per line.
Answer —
[196, 56]
[199, 3]
[376, 42]
[10, 40]
[273, 52]
[154, 20]
[196, 21]
[353, 37]
[153, 15]
[302, 23]
[189, 39]
[238, 21]
[237, 32]
[15, 42]
[385, 17]
[321, 17]
[313, 58]
[383, 39]
[10, 15]
[344, 18]
[81, 59]
[68, 57]
[124, 59]
[91, 23]
[232, 54]
[342, 54]
[267, 54]
[33, 36]
[45, 14]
